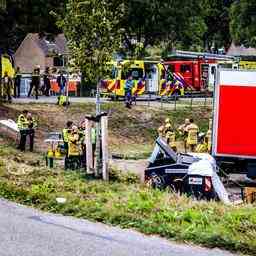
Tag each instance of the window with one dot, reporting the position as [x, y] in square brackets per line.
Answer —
[185, 68]
[137, 73]
[171, 68]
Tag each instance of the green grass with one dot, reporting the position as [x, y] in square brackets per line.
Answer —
[131, 132]
[125, 203]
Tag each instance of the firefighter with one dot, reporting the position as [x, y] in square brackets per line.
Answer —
[183, 132]
[74, 148]
[170, 137]
[65, 132]
[161, 131]
[192, 139]
[82, 135]
[7, 85]
[26, 124]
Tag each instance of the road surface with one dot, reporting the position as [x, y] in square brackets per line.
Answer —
[28, 232]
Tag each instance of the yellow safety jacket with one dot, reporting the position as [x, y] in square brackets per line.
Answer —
[171, 139]
[22, 122]
[201, 148]
[65, 134]
[73, 145]
[192, 131]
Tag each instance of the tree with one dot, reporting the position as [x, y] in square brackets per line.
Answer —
[28, 16]
[243, 19]
[216, 17]
[153, 22]
[92, 29]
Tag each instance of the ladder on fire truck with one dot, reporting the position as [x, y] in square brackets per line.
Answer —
[201, 55]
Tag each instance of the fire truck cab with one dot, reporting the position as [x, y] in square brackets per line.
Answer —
[193, 67]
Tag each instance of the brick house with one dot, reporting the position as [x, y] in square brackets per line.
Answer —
[35, 51]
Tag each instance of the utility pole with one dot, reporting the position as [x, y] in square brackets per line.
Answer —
[98, 133]
[67, 86]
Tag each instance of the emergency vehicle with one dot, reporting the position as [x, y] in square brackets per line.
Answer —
[150, 76]
[6, 65]
[193, 67]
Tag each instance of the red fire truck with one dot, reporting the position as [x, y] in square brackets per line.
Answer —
[194, 67]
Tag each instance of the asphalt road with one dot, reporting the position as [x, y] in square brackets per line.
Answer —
[28, 232]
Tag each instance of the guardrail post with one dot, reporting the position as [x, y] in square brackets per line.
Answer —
[89, 153]
[104, 143]
[191, 101]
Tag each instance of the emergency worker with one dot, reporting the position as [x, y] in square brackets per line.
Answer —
[7, 86]
[170, 137]
[192, 139]
[183, 132]
[65, 133]
[161, 131]
[74, 146]
[35, 83]
[82, 135]
[26, 125]
[129, 84]
[17, 81]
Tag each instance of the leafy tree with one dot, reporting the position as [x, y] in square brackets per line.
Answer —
[216, 17]
[92, 30]
[243, 19]
[167, 23]
[28, 16]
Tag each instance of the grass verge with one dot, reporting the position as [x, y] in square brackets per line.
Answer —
[125, 203]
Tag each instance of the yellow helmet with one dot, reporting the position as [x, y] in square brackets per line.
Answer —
[167, 120]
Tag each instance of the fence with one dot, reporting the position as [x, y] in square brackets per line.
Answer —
[176, 102]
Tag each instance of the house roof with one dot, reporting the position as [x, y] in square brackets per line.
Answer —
[241, 50]
[56, 46]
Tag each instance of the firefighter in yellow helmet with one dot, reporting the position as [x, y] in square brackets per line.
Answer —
[192, 139]
[183, 132]
[161, 131]
[170, 136]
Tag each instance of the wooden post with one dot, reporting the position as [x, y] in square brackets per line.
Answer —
[89, 154]
[104, 129]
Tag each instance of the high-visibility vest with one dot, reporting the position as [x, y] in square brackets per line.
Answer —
[65, 134]
[22, 122]
[73, 145]
[192, 130]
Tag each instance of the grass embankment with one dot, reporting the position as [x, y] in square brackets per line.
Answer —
[131, 132]
[124, 202]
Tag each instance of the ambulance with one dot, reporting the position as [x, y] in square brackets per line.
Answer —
[150, 76]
